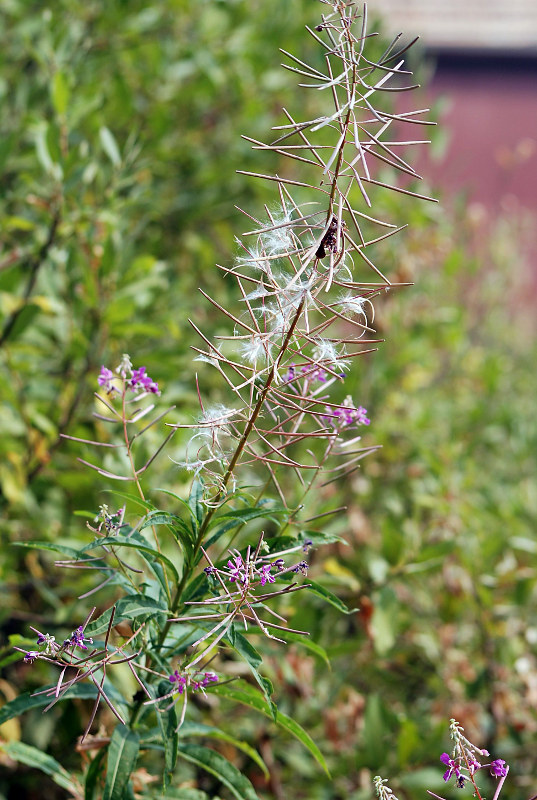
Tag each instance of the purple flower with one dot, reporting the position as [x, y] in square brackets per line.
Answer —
[279, 564]
[265, 574]
[237, 569]
[48, 642]
[346, 414]
[313, 373]
[179, 680]
[301, 567]
[452, 769]
[77, 639]
[30, 657]
[473, 765]
[208, 677]
[139, 379]
[105, 379]
[307, 544]
[498, 768]
[361, 417]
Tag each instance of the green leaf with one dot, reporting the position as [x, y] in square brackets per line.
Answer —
[253, 658]
[196, 588]
[122, 755]
[127, 608]
[26, 702]
[110, 146]
[198, 729]
[55, 548]
[59, 91]
[305, 641]
[135, 543]
[178, 527]
[33, 757]
[195, 501]
[24, 319]
[167, 721]
[238, 517]
[184, 503]
[243, 515]
[330, 597]
[93, 774]
[249, 696]
[221, 768]
[186, 793]
[42, 146]
[384, 620]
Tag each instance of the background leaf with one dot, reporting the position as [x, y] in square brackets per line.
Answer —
[122, 756]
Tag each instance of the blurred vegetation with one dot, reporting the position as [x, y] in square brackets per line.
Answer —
[119, 140]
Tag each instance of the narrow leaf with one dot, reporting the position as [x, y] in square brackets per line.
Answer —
[130, 607]
[110, 146]
[135, 543]
[93, 774]
[249, 696]
[253, 658]
[167, 721]
[33, 757]
[26, 702]
[122, 756]
[330, 597]
[59, 92]
[195, 501]
[221, 768]
[305, 641]
[198, 729]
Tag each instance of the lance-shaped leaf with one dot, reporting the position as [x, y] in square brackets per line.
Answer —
[122, 755]
[211, 761]
[33, 757]
[139, 544]
[26, 702]
[168, 722]
[253, 658]
[249, 696]
[135, 606]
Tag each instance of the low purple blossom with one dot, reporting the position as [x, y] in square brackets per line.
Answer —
[182, 682]
[498, 768]
[452, 769]
[77, 639]
[265, 576]
[139, 380]
[310, 373]
[346, 414]
[106, 376]
[208, 677]
[48, 642]
[30, 657]
[237, 569]
[179, 680]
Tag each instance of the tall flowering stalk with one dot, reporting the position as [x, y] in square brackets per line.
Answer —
[463, 765]
[307, 284]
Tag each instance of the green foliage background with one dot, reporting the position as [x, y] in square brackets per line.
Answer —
[119, 140]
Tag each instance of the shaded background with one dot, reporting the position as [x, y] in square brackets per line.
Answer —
[128, 115]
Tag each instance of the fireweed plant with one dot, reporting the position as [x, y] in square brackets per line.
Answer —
[462, 767]
[304, 273]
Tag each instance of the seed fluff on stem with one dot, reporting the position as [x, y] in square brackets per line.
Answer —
[293, 258]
